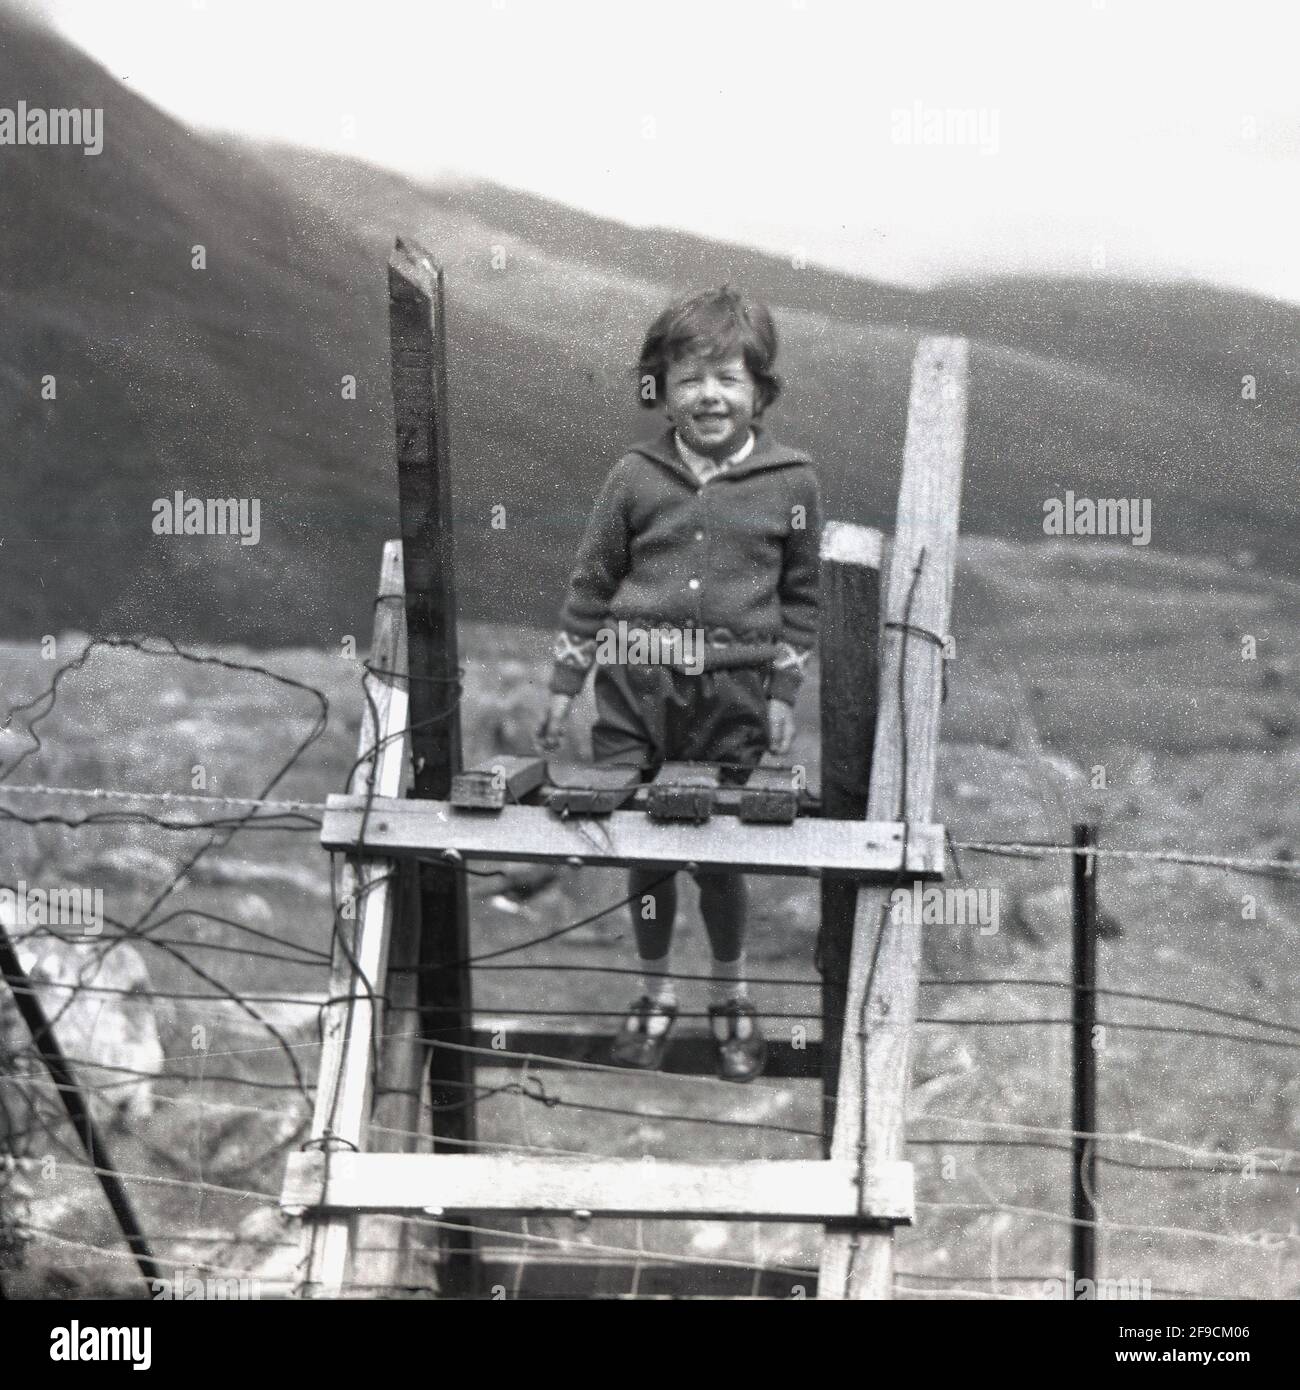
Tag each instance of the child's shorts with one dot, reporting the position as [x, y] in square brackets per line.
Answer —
[649, 715]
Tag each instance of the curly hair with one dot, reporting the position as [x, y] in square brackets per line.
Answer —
[713, 324]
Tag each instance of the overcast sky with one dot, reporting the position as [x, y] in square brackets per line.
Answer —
[1160, 135]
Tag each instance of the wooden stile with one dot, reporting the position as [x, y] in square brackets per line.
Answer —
[408, 941]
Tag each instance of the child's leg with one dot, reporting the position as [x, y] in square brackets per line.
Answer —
[724, 901]
[654, 907]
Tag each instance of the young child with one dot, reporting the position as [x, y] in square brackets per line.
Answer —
[711, 530]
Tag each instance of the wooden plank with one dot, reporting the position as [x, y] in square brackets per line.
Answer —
[693, 1053]
[417, 331]
[505, 781]
[683, 791]
[383, 1246]
[770, 796]
[1085, 1205]
[360, 949]
[869, 849]
[817, 1190]
[881, 1007]
[591, 789]
[850, 679]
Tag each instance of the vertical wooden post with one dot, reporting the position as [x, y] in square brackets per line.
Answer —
[850, 681]
[384, 1244]
[875, 1059]
[362, 937]
[417, 327]
[1083, 1177]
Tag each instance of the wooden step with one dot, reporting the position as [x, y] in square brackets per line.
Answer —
[872, 851]
[504, 781]
[595, 789]
[567, 795]
[770, 796]
[816, 1190]
[683, 791]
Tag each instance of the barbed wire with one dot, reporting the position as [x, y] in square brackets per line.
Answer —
[308, 813]
[225, 815]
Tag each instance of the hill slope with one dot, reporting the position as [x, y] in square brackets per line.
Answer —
[227, 381]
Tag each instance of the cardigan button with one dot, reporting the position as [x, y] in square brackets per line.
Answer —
[699, 535]
[694, 584]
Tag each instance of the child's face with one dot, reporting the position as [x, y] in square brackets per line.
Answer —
[712, 402]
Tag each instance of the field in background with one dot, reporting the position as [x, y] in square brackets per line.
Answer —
[1069, 658]
[232, 381]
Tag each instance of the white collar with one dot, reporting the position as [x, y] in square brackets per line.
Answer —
[696, 461]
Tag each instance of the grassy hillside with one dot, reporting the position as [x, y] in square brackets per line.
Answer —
[1069, 658]
[227, 381]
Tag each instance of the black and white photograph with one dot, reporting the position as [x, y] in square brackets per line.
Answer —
[649, 653]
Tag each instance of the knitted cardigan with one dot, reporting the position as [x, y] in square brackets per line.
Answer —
[737, 554]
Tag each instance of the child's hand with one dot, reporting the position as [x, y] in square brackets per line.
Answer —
[550, 735]
[780, 727]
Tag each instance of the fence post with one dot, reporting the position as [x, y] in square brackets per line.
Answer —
[77, 1106]
[1083, 1177]
[360, 950]
[849, 650]
[385, 1246]
[417, 328]
[875, 1056]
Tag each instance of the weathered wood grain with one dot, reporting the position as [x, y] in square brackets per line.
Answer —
[765, 1190]
[869, 849]
[881, 1004]
[362, 936]
[850, 689]
[417, 333]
